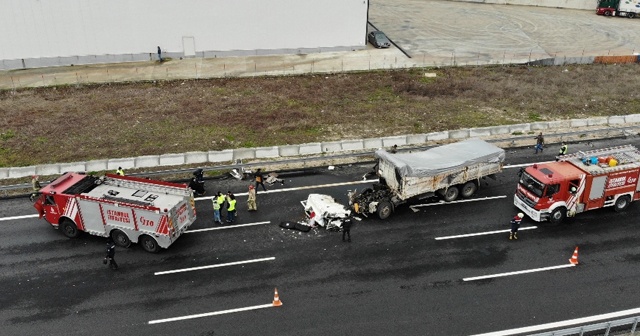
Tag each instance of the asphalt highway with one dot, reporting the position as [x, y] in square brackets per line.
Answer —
[394, 278]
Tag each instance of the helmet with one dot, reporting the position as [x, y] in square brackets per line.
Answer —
[250, 186]
[520, 215]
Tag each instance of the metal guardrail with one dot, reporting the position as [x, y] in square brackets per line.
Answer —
[617, 327]
[623, 131]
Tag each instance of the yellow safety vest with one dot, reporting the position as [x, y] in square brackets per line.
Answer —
[120, 172]
[216, 205]
[221, 199]
[232, 205]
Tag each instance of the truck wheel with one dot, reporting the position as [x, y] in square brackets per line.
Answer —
[451, 194]
[558, 215]
[631, 15]
[120, 238]
[607, 13]
[69, 228]
[468, 189]
[384, 210]
[149, 244]
[622, 203]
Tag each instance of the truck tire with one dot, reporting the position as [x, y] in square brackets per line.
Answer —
[69, 228]
[631, 15]
[468, 189]
[451, 194]
[120, 238]
[149, 244]
[384, 210]
[558, 215]
[607, 13]
[622, 203]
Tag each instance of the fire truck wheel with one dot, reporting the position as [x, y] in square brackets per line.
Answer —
[69, 228]
[558, 215]
[384, 210]
[120, 238]
[468, 189]
[607, 13]
[451, 194]
[149, 244]
[621, 204]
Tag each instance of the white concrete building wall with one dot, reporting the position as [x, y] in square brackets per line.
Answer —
[47, 31]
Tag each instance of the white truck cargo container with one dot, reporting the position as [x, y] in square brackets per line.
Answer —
[446, 171]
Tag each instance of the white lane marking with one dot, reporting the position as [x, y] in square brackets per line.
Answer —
[18, 217]
[517, 272]
[296, 188]
[562, 324]
[484, 233]
[525, 164]
[227, 227]
[214, 266]
[454, 202]
[188, 317]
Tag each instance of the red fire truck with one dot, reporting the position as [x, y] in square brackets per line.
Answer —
[580, 182]
[127, 209]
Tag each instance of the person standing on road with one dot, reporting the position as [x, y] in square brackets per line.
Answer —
[220, 198]
[231, 210]
[159, 54]
[563, 149]
[259, 179]
[539, 143]
[346, 229]
[216, 210]
[515, 225]
[251, 200]
[111, 253]
[120, 171]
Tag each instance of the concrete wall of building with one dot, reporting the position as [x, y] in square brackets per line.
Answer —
[45, 32]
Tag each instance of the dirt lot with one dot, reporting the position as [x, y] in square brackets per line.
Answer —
[77, 123]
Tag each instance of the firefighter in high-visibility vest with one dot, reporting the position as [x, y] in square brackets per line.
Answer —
[216, 211]
[220, 198]
[563, 149]
[120, 171]
[231, 210]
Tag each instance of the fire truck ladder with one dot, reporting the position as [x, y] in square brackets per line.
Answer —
[623, 154]
[135, 185]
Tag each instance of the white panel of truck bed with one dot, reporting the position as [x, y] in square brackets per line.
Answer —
[443, 158]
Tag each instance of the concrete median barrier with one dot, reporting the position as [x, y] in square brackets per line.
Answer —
[513, 135]
[147, 161]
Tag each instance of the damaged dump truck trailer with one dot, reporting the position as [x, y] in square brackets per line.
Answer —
[447, 171]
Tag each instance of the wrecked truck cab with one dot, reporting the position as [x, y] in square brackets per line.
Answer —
[325, 211]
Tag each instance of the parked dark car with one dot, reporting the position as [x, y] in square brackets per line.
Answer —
[378, 39]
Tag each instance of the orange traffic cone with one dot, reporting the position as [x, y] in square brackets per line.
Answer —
[574, 258]
[276, 299]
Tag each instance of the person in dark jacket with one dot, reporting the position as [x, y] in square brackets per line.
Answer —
[515, 225]
[539, 143]
[346, 229]
[111, 253]
[259, 179]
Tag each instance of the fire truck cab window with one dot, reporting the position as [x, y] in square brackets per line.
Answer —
[48, 200]
[573, 186]
[552, 189]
